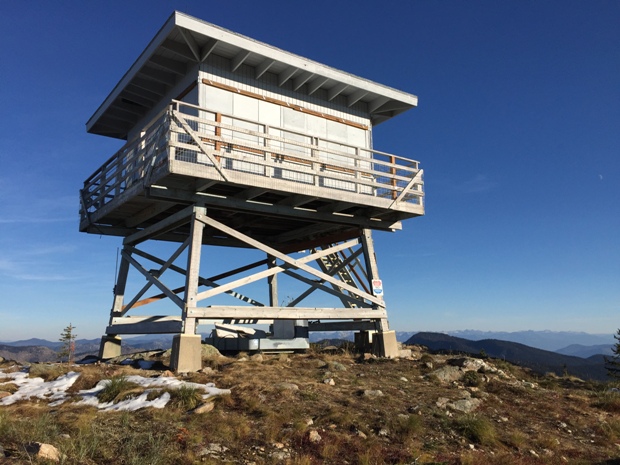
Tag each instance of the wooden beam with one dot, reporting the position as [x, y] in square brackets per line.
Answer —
[208, 48]
[286, 313]
[301, 80]
[342, 326]
[316, 84]
[171, 295]
[336, 91]
[172, 222]
[356, 97]
[145, 325]
[147, 213]
[298, 264]
[191, 42]
[263, 67]
[178, 116]
[177, 67]
[286, 75]
[268, 209]
[164, 266]
[266, 273]
[238, 60]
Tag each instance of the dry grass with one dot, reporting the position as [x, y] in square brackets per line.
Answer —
[265, 421]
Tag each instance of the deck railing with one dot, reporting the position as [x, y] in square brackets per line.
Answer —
[233, 146]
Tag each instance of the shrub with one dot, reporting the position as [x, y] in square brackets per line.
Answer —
[114, 387]
[608, 401]
[477, 429]
[472, 379]
[48, 372]
[185, 397]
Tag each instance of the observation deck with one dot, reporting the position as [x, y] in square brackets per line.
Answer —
[284, 188]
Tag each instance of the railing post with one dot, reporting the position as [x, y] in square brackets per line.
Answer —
[393, 180]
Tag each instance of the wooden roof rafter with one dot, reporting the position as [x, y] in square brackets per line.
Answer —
[184, 41]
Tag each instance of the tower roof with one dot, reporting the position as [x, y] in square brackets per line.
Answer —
[185, 41]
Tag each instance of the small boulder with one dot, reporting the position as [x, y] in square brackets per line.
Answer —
[208, 350]
[43, 451]
[372, 393]
[204, 408]
[314, 437]
[465, 405]
[447, 374]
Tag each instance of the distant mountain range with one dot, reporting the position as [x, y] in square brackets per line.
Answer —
[41, 350]
[577, 344]
[539, 361]
[573, 351]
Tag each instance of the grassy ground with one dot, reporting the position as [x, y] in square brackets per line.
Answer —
[282, 410]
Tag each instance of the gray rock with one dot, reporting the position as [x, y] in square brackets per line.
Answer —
[314, 437]
[465, 405]
[213, 449]
[336, 366]
[43, 451]
[329, 381]
[204, 408]
[372, 393]
[207, 350]
[468, 363]
[447, 374]
[280, 455]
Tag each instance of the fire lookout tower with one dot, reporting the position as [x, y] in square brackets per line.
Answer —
[235, 143]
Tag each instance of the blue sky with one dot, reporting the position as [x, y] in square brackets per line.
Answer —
[517, 129]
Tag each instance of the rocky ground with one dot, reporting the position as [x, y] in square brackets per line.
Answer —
[326, 406]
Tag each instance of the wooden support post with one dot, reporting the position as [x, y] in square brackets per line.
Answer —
[186, 347]
[110, 345]
[272, 281]
[119, 288]
[384, 343]
[192, 277]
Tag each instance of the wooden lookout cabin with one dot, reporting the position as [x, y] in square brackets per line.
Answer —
[234, 143]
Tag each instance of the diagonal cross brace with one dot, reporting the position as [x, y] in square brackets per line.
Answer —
[299, 264]
[164, 267]
[270, 272]
[171, 295]
[407, 188]
[202, 281]
[198, 142]
[331, 272]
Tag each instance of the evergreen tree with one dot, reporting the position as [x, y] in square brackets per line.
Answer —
[612, 364]
[67, 349]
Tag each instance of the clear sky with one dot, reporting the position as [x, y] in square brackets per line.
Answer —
[517, 129]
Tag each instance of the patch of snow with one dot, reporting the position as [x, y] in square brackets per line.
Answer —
[55, 391]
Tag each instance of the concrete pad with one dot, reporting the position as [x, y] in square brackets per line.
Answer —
[384, 344]
[110, 347]
[186, 353]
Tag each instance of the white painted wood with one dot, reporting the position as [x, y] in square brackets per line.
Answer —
[290, 313]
